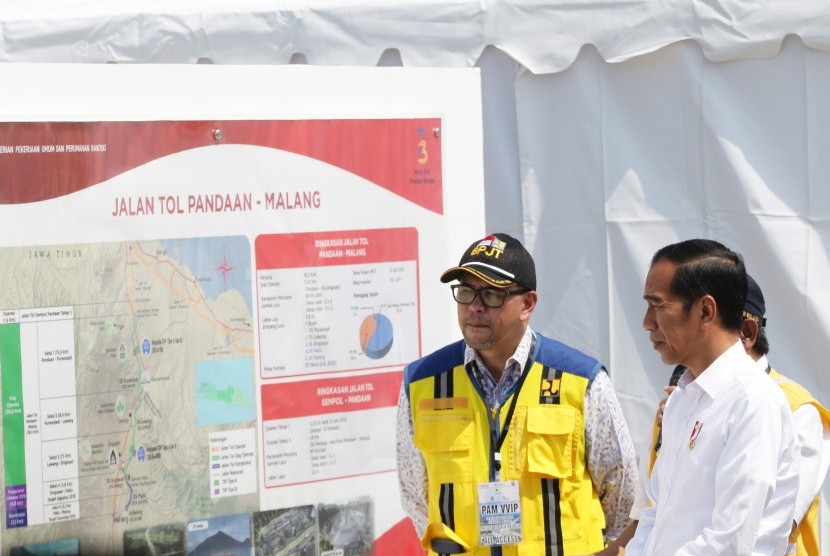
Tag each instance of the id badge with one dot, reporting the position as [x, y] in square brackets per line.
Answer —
[499, 513]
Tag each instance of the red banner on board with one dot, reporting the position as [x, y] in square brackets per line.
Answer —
[45, 160]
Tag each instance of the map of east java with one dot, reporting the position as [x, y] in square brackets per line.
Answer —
[118, 362]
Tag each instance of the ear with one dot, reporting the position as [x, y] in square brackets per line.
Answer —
[530, 299]
[708, 310]
[749, 333]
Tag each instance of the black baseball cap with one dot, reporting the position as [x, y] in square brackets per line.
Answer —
[754, 307]
[498, 259]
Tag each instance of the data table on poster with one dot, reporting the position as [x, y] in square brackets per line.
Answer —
[40, 416]
[342, 301]
[326, 429]
[327, 446]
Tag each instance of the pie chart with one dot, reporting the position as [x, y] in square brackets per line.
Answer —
[376, 335]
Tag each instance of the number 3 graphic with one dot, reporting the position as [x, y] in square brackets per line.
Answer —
[422, 144]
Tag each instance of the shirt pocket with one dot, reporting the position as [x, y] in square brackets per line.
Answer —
[550, 440]
[446, 442]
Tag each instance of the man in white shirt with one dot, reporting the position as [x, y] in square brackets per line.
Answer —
[727, 476]
[811, 422]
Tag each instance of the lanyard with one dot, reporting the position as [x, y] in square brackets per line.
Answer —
[497, 442]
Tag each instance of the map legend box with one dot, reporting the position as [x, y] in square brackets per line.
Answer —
[233, 463]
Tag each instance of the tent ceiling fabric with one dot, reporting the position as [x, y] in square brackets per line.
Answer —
[542, 36]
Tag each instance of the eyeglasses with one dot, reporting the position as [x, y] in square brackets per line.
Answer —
[490, 297]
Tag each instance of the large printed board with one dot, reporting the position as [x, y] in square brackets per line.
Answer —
[203, 323]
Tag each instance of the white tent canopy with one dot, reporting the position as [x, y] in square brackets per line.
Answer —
[611, 129]
[542, 36]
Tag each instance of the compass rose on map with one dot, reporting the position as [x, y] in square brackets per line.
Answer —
[224, 268]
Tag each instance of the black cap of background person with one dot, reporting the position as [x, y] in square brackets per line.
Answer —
[498, 259]
[754, 306]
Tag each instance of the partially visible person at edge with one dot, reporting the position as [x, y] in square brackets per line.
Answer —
[812, 428]
[726, 479]
[510, 443]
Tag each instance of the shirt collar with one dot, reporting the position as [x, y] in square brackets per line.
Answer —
[718, 376]
[762, 363]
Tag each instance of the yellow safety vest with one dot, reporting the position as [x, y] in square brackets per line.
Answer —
[653, 450]
[543, 448]
[806, 536]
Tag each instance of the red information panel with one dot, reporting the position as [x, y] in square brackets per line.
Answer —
[342, 301]
[332, 428]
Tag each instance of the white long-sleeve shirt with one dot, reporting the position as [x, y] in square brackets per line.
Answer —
[727, 476]
[814, 448]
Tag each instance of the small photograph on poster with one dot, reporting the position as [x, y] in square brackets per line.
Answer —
[346, 528]
[228, 535]
[167, 539]
[65, 547]
[286, 532]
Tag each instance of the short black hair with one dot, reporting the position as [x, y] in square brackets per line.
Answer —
[706, 267]
[761, 345]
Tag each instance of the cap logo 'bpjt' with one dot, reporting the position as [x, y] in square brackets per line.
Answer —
[498, 259]
[490, 246]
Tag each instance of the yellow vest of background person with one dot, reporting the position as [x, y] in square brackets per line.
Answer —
[806, 536]
[653, 448]
[655, 429]
[543, 449]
